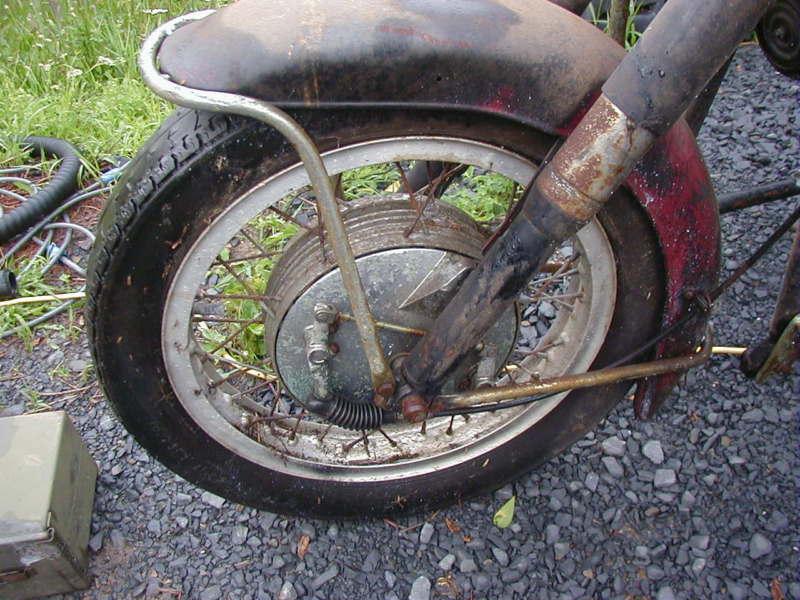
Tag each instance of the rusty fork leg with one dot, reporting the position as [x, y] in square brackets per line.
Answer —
[683, 48]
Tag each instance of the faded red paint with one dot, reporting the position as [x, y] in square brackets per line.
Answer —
[673, 185]
[425, 37]
[502, 100]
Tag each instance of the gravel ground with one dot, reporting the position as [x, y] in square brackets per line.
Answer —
[701, 503]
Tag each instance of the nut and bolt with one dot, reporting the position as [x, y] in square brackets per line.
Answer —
[325, 313]
[415, 408]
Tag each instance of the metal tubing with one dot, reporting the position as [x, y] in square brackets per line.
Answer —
[382, 377]
[487, 396]
[685, 45]
[643, 98]
[566, 194]
[618, 15]
[759, 195]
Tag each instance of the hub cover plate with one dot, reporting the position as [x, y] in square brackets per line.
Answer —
[392, 268]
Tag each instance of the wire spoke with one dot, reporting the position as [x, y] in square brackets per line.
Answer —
[239, 330]
[241, 259]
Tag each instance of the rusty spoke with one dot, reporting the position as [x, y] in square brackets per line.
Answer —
[258, 297]
[239, 330]
[297, 425]
[289, 218]
[261, 248]
[200, 318]
[325, 433]
[250, 370]
[407, 186]
[236, 261]
[392, 443]
[251, 390]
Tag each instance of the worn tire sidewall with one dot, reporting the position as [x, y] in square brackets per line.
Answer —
[191, 170]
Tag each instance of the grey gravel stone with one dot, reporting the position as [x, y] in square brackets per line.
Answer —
[447, 562]
[699, 542]
[501, 556]
[116, 538]
[324, 577]
[239, 536]
[759, 546]
[698, 564]
[467, 565]
[213, 592]
[96, 542]
[287, 591]
[212, 499]
[613, 446]
[665, 593]
[390, 578]
[653, 451]
[77, 365]
[552, 533]
[426, 533]
[613, 467]
[560, 549]
[420, 589]
[753, 416]
[591, 481]
[664, 478]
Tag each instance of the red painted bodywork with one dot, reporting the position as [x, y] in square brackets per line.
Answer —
[673, 185]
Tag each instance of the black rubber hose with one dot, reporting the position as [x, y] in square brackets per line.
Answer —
[61, 186]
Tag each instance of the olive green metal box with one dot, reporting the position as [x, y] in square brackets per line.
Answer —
[47, 480]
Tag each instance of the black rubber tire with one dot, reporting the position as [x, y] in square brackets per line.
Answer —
[783, 54]
[193, 167]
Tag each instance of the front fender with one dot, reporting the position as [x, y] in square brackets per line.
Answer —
[526, 60]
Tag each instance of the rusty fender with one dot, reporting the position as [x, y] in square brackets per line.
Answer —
[525, 60]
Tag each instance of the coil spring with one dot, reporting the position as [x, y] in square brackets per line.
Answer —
[351, 415]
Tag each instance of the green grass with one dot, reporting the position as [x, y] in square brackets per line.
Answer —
[68, 69]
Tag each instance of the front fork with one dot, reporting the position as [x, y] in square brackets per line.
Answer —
[683, 48]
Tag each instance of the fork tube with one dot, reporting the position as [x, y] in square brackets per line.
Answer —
[685, 45]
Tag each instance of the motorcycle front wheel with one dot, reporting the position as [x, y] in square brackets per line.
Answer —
[209, 251]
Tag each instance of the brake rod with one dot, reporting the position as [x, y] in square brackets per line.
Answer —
[382, 377]
[486, 398]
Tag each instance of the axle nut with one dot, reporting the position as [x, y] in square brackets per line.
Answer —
[415, 408]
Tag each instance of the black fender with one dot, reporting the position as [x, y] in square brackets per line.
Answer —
[526, 60]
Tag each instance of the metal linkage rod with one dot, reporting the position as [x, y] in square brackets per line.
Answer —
[760, 194]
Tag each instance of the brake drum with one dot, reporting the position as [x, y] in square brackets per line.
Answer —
[408, 280]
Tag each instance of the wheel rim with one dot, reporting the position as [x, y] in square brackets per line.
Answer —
[320, 452]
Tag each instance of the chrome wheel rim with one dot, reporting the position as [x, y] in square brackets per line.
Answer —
[319, 452]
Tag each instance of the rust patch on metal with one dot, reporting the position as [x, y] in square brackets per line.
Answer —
[594, 160]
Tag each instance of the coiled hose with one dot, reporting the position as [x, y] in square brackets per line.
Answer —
[61, 186]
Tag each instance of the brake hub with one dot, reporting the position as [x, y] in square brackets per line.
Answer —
[408, 281]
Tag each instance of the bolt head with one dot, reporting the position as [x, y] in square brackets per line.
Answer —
[415, 408]
[325, 313]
